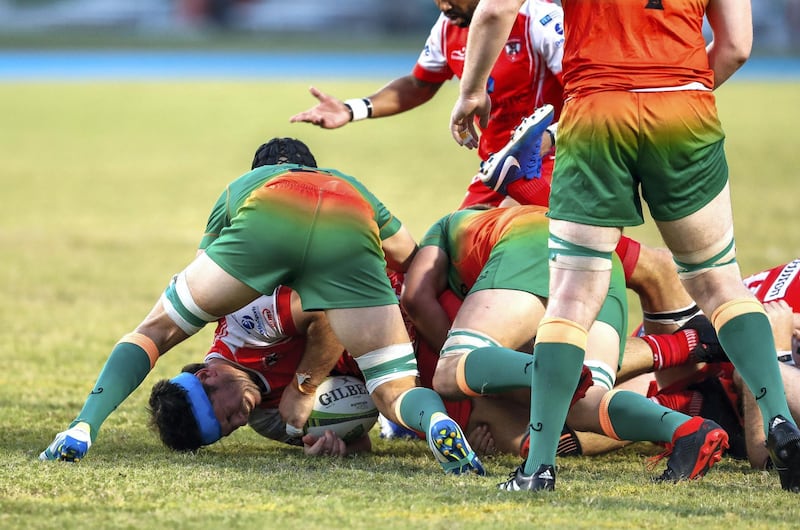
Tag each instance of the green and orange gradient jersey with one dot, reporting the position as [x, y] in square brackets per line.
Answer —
[469, 237]
[634, 44]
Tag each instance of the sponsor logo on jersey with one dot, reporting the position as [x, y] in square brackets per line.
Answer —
[559, 29]
[513, 47]
[269, 317]
[254, 324]
[545, 20]
[458, 55]
[781, 284]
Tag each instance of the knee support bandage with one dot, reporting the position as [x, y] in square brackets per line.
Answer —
[463, 341]
[696, 263]
[567, 255]
[387, 364]
[181, 307]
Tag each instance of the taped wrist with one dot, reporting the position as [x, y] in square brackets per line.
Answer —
[360, 109]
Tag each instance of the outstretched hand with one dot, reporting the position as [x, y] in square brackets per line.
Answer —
[329, 113]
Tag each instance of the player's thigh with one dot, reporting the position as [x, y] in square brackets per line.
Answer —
[214, 290]
[508, 316]
[365, 329]
[708, 227]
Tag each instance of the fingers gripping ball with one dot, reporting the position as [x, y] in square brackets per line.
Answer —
[344, 406]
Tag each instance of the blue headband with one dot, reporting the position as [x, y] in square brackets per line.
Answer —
[203, 412]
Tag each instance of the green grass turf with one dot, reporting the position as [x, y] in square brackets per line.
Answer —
[105, 192]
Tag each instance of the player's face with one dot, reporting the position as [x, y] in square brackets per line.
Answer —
[235, 397]
[458, 11]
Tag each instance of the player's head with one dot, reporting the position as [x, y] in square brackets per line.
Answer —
[459, 12]
[202, 404]
[283, 151]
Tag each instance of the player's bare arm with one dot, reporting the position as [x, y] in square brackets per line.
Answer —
[399, 249]
[490, 27]
[321, 353]
[399, 95]
[732, 24]
[425, 280]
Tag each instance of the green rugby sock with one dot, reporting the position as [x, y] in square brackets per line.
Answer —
[748, 341]
[557, 367]
[417, 406]
[125, 369]
[634, 417]
[494, 369]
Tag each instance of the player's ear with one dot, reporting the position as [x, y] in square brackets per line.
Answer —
[206, 373]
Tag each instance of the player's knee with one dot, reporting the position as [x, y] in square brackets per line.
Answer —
[459, 344]
[444, 380]
[387, 364]
[717, 254]
[603, 375]
[583, 256]
[181, 307]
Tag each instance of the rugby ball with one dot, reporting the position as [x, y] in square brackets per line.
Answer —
[344, 406]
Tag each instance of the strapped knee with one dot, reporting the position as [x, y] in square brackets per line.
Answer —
[602, 374]
[387, 364]
[181, 307]
[718, 254]
[462, 341]
[586, 257]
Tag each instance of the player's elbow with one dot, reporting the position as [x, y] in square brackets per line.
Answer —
[733, 53]
[411, 302]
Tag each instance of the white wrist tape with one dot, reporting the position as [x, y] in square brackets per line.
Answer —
[360, 109]
[293, 431]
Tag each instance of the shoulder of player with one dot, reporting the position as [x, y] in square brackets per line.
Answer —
[543, 12]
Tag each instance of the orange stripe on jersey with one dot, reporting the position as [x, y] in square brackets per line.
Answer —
[730, 310]
[562, 331]
[145, 343]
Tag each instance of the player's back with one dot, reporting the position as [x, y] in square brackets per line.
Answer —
[634, 44]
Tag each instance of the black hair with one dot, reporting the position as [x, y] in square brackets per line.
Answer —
[283, 151]
[171, 414]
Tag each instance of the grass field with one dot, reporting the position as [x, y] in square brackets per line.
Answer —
[105, 192]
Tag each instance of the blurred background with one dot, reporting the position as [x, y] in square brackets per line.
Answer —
[279, 23]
